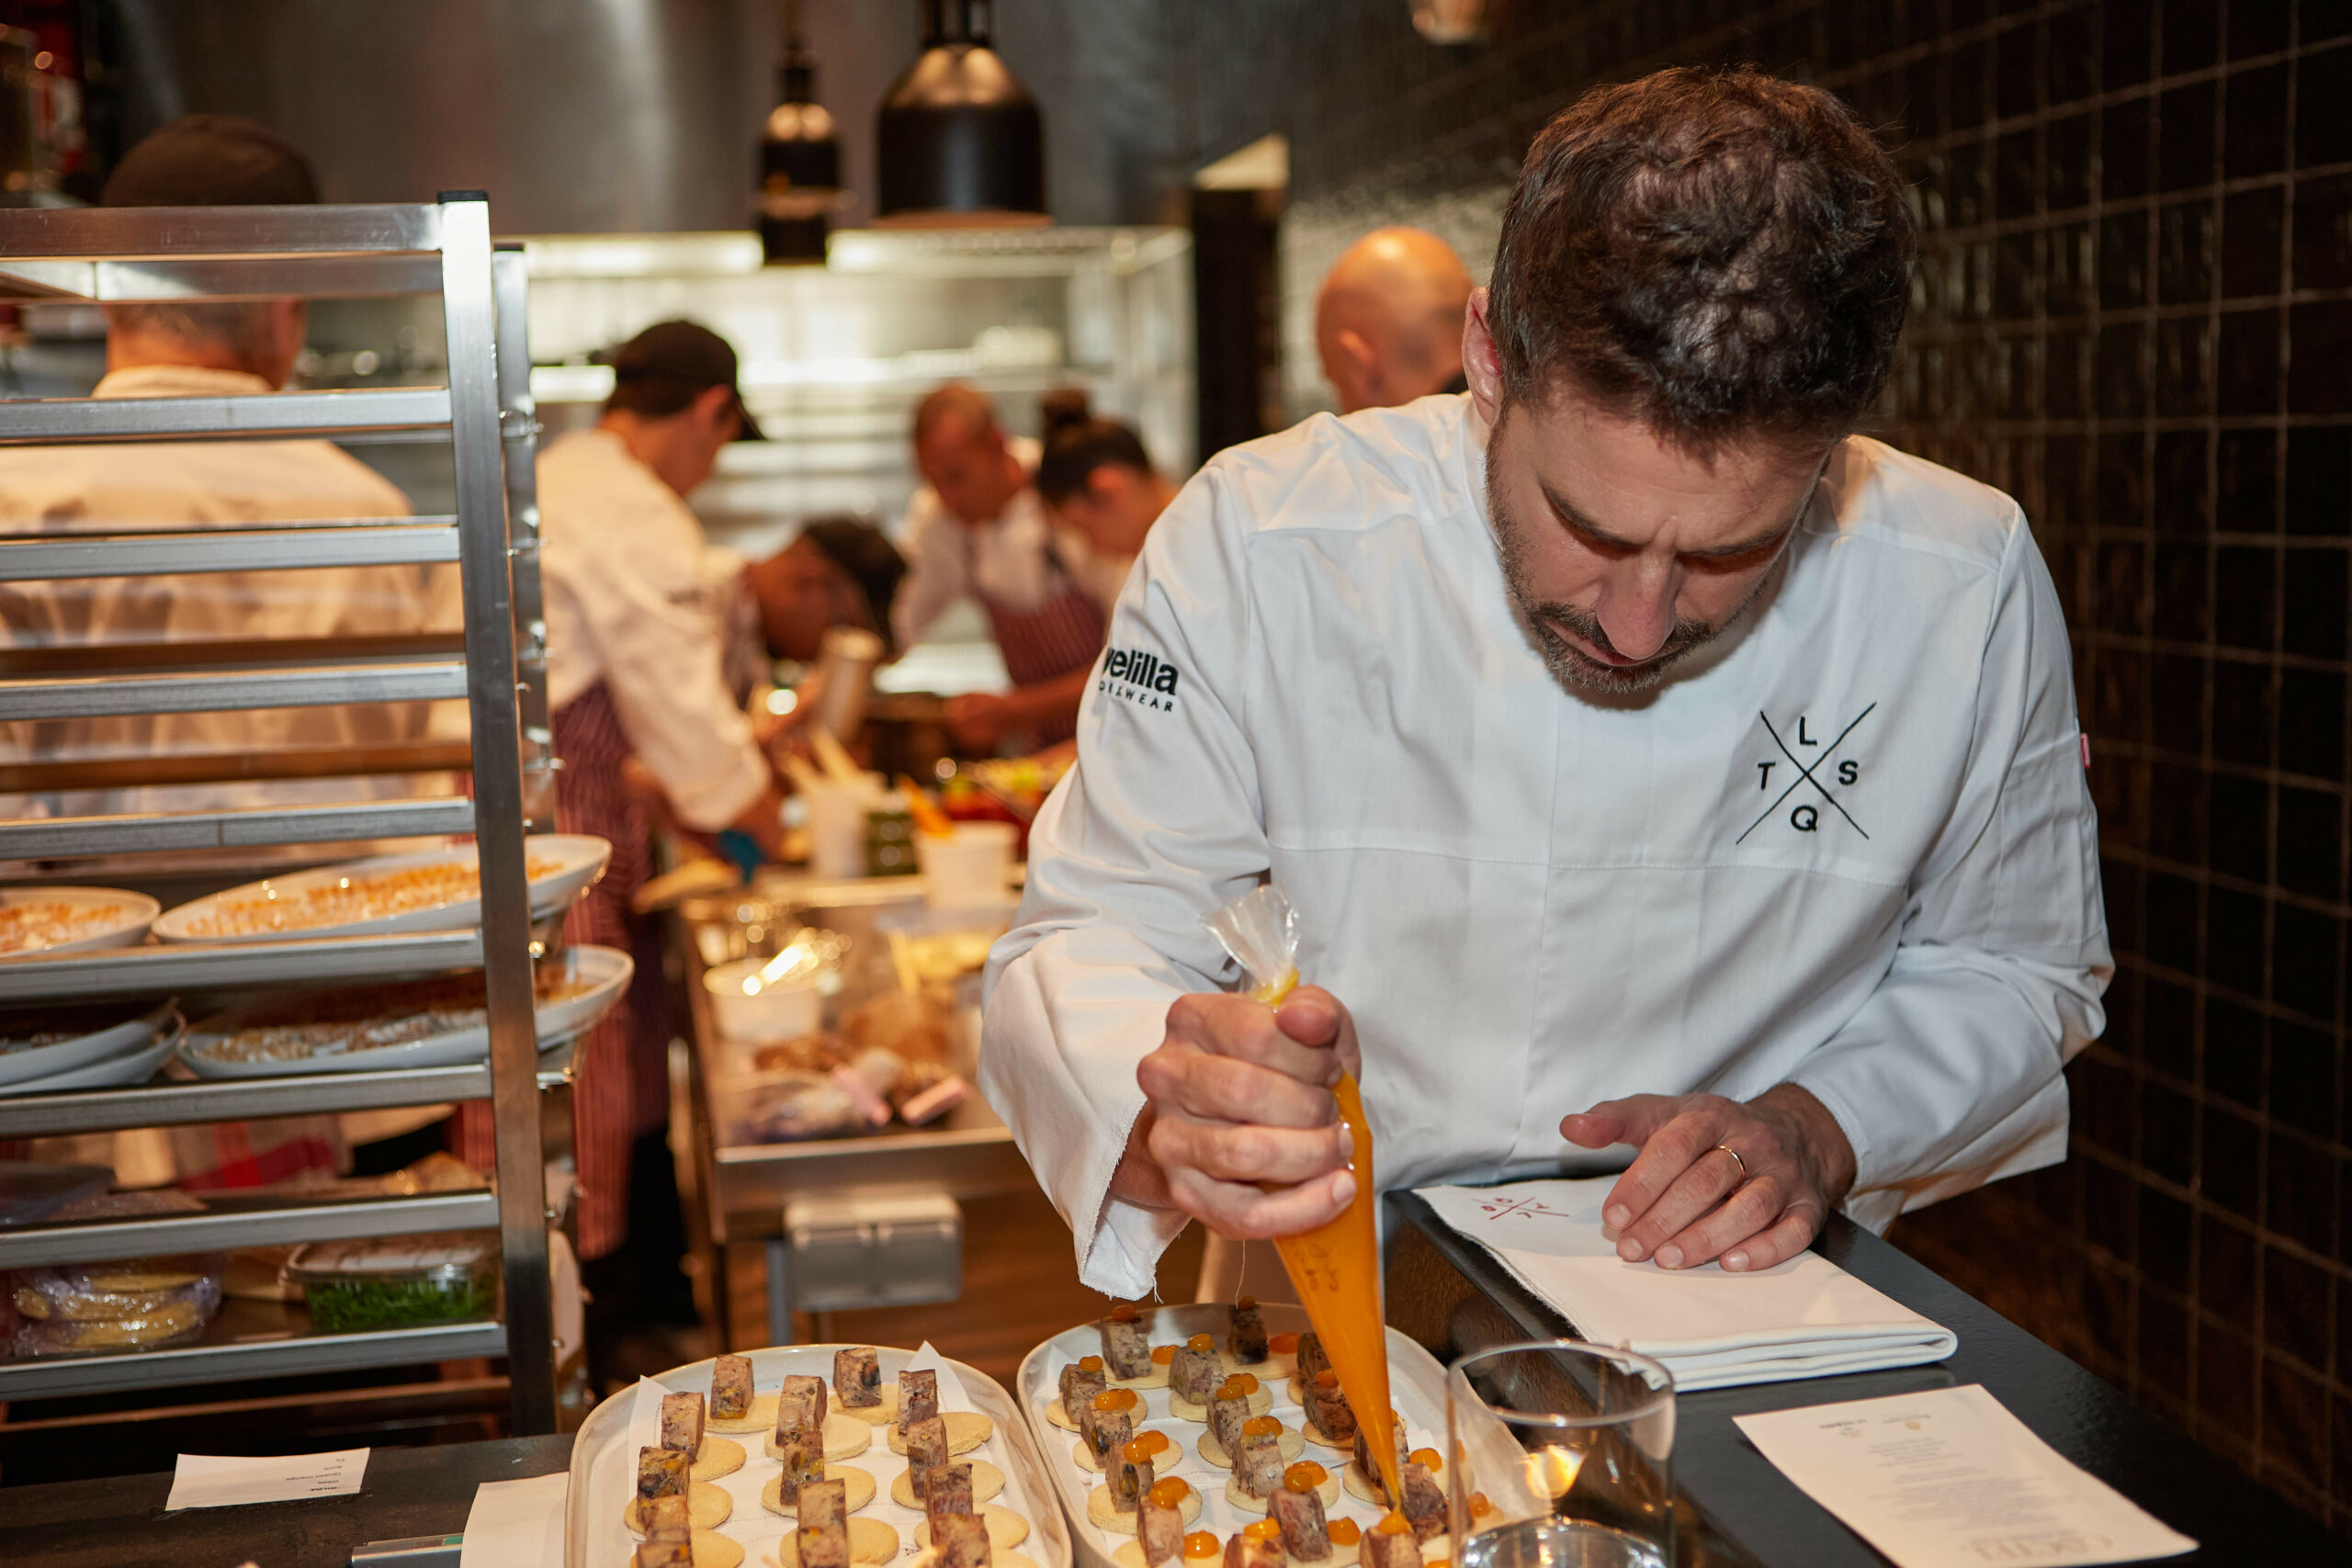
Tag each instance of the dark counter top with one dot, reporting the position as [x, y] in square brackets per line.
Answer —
[119, 1522]
[1451, 1294]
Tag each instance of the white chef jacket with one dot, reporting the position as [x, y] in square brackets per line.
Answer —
[1848, 845]
[622, 573]
[49, 489]
[1019, 559]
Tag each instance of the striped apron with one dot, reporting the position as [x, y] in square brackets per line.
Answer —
[621, 1068]
[1063, 634]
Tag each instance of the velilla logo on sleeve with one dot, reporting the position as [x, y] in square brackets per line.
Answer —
[1144, 679]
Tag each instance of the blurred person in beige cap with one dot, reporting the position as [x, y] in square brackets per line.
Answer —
[1388, 320]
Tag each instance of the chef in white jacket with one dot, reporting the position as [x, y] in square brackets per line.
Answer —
[1652, 763]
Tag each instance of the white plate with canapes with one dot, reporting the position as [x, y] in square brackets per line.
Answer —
[134, 1064]
[46, 1043]
[732, 1493]
[38, 921]
[420, 1023]
[430, 890]
[1417, 1391]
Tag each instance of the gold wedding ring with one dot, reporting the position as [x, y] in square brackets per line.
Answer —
[1735, 1159]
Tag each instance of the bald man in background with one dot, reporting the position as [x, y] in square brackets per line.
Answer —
[1388, 320]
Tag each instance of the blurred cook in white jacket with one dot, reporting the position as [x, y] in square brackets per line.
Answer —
[1651, 761]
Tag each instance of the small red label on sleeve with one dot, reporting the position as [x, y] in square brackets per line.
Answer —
[2086, 754]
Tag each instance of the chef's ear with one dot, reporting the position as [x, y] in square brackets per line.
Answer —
[1482, 361]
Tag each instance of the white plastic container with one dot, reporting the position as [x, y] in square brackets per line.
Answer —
[837, 826]
[757, 1010]
[968, 870]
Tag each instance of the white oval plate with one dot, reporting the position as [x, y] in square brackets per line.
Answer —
[138, 912]
[607, 970]
[135, 1066]
[65, 1055]
[580, 860]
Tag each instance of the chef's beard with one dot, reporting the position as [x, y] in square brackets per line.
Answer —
[1570, 665]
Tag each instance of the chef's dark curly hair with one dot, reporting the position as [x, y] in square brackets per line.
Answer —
[1713, 252]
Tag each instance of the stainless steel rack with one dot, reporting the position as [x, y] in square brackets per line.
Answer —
[485, 413]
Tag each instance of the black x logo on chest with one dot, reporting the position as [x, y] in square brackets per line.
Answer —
[1806, 775]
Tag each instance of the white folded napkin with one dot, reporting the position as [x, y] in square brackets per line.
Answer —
[1806, 1319]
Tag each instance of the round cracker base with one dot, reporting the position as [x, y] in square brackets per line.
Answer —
[1360, 1485]
[843, 1437]
[870, 1540]
[1156, 1378]
[872, 1415]
[707, 1508]
[966, 1430]
[996, 1560]
[1271, 1369]
[1007, 1529]
[712, 1549]
[1316, 1436]
[760, 1417]
[1059, 1416]
[1262, 1401]
[859, 1491]
[987, 1481]
[720, 1456]
[1291, 1443]
[1103, 1515]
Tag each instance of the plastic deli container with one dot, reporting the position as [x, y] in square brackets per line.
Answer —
[398, 1282]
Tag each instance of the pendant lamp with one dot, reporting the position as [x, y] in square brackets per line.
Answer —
[958, 142]
[800, 160]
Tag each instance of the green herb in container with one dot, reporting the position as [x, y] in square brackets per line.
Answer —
[399, 1281]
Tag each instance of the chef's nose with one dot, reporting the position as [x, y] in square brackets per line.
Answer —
[1637, 610]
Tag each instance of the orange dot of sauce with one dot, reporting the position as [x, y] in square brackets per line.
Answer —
[1116, 1399]
[1283, 1344]
[1163, 1353]
[1327, 1378]
[1090, 1363]
[1201, 1344]
[1245, 1303]
[1394, 1524]
[1152, 1443]
[1262, 1426]
[1426, 1458]
[1235, 1388]
[1200, 1544]
[1343, 1532]
[1170, 1492]
[1248, 1381]
[1305, 1476]
[1124, 1312]
[1136, 1451]
[1262, 1529]
[1480, 1505]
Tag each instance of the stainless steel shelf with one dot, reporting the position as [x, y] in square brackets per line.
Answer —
[172, 1103]
[248, 1340]
[221, 277]
[38, 838]
[162, 970]
[178, 232]
[339, 543]
[111, 695]
[278, 1224]
[51, 420]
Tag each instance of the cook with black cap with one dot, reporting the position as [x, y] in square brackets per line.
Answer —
[635, 672]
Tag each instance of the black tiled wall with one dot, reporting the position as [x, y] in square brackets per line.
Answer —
[2134, 311]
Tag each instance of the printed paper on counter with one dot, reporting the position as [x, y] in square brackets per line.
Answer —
[516, 1524]
[222, 1480]
[1950, 1479]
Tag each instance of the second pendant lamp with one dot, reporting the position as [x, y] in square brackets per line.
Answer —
[959, 142]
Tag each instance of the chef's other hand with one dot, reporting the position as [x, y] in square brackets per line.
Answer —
[1239, 1098]
[978, 720]
[1685, 1200]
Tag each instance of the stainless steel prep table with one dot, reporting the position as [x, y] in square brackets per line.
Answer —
[739, 1191]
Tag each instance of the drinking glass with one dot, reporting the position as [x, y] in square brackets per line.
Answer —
[1566, 1450]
